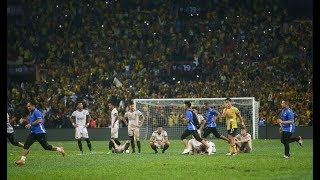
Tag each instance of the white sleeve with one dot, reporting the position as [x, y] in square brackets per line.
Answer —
[73, 113]
[153, 135]
[139, 113]
[165, 134]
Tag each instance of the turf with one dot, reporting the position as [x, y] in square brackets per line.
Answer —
[265, 162]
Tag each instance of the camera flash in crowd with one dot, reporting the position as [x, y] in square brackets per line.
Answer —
[269, 29]
[197, 75]
[209, 30]
[106, 2]
[242, 40]
[242, 62]
[226, 17]
[259, 55]
[238, 53]
[264, 32]
[72, 52]
[269, 12]
[57, 5]
[147, 24]
[304, 48]
[107, 78]
[109, 48]
[66, 15]
[242, 81]
[60, 25]
[130, 86]
[191, 14]
[237, 16]
[178, 82]
[174, 79]
[232, 37]
[197, 14]
[102, 25]
[154, 33]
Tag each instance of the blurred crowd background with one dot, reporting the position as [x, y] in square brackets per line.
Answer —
[59, 52]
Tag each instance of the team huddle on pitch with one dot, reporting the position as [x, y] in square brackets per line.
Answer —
[197, 126]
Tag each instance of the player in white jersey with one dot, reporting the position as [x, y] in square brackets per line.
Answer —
[159, 140]
[197, 147]
[10, 134]
[132, 120]
[243, 141]
[114, 126]
[80, 120]
[201, 120]
[120, 148]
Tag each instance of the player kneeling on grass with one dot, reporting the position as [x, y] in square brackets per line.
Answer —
[243, 141]
[197, 147]
[159, 140]
[120, 148]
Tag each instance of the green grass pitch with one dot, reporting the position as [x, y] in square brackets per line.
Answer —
[265, 162]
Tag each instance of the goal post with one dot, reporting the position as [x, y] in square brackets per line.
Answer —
[166, 112]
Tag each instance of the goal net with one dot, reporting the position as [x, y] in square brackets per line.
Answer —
[166, 112]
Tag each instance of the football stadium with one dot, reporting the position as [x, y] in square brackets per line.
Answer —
[159, 89]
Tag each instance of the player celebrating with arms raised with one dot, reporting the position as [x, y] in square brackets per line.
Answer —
[231, 113]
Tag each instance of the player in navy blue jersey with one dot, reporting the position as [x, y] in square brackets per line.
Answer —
[211, 117]
[191, 129]
[288, 127]
[38, 133]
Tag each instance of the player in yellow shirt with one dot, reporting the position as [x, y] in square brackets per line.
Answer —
[231, 114]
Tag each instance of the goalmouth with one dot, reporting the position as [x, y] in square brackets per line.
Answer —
[166, 112]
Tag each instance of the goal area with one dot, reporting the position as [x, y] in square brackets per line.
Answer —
[166, 112]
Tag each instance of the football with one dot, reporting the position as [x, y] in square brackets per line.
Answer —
[127, 151]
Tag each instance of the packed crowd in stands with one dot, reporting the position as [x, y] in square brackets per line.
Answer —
[98, 50]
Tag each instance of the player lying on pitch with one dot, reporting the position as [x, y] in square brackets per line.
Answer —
[197, 147]
[120, 148]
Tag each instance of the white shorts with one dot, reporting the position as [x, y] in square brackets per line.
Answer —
[114, 132]
[134, 131]
[159, 145]
[81, 132]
